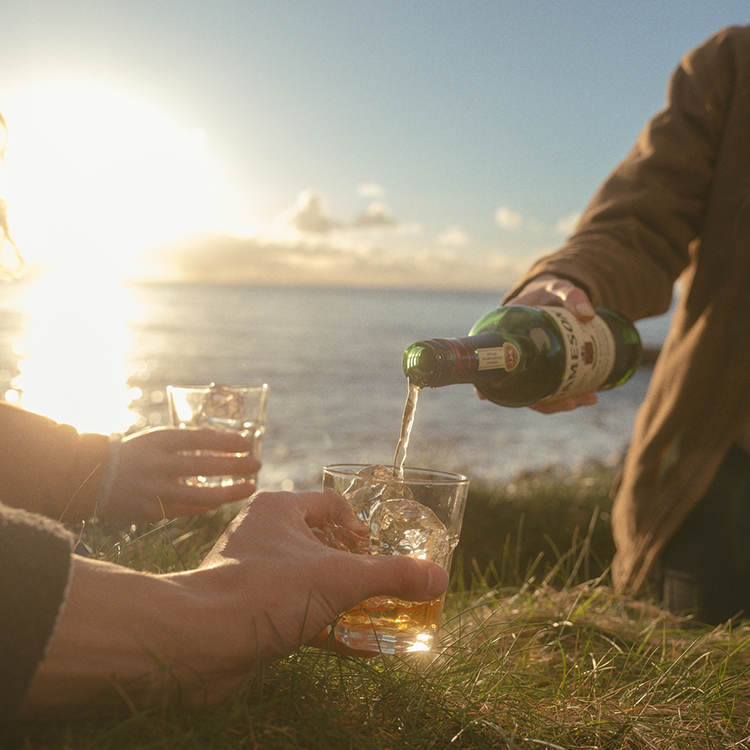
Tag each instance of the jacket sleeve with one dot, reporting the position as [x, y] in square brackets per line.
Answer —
[636, 235]
[49, 468]
[35, 560]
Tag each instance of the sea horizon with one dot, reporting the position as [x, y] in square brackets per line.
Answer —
[332, 359]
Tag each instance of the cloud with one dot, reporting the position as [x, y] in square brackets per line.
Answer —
[510, 220]
[335, 259]
[377, 214]
[507, 218]
[454, 236]
[370, 190]
[308, 245]
[309, 214]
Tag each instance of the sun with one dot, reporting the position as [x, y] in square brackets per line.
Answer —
[96, 176]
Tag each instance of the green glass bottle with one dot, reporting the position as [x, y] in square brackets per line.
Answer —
[519, 356]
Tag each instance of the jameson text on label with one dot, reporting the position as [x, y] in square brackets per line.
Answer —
[590, 352]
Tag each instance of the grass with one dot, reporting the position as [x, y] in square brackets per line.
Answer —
[543, 525]
[537, 651]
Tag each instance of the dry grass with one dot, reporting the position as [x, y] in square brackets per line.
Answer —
[533, 654]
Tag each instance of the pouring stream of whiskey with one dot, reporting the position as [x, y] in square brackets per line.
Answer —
[407, 422]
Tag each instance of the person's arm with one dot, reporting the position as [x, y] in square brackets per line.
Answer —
[635, 237]
[51, 469]
[268, 586]
[48, 468]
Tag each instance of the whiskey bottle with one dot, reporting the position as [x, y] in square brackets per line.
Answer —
[519, 356]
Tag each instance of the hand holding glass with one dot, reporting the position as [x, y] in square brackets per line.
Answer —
[240, 409]
[418, 515]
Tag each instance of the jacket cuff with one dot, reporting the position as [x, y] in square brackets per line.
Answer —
[35, 564]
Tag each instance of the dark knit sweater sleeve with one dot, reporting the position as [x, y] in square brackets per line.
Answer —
[35, 563]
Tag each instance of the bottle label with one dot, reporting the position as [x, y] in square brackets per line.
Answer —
[505, 357]
[589, 349]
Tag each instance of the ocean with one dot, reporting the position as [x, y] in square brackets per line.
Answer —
[331, 357]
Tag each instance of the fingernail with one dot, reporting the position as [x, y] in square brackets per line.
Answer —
[437, 581]
[585, 309]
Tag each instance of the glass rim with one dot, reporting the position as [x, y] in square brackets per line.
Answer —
[208, 386]
[423, 476]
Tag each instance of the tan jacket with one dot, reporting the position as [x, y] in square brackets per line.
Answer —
[677, 206]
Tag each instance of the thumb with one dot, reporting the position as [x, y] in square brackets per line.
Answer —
[399, 576]
[578, 302]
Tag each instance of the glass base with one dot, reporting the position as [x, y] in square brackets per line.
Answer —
[390, 626]
[384, 643]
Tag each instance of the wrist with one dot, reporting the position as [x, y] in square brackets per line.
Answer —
[129, 636]
[102, 503]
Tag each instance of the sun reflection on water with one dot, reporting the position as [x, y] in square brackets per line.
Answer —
[73, 353]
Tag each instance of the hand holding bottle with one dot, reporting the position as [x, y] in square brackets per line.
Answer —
[541, 355]
[552, 290]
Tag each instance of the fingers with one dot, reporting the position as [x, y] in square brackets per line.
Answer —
[565, 404]
[395, 575]
[327, 507]
[552, 290]
[356, 576]
[212, 465]
[479, 395]
[578, 302]
[400, 576]
[194, 439]
[571, 297]
[189, 451]
[541, 290]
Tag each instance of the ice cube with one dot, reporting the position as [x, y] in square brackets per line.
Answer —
[362, 499]
[223, 408]
[370, 486]
[402, 526]
[383, 479]
[376, 470]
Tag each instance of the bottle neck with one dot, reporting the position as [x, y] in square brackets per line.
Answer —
[438, 362]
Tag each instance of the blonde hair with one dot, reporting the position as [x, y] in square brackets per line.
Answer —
[6, 241]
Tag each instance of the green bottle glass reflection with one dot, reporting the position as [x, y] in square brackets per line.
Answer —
[519, 356]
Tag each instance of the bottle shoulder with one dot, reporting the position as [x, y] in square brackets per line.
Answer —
[529, 328]
[511, 318]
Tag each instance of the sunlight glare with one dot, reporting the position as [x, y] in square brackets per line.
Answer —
[95, 175]
[94, 178]
[73, 365]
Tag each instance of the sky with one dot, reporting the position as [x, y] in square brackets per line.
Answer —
[424, 143]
